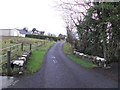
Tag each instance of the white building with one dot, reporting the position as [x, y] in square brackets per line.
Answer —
[13, 32]
[9, 32]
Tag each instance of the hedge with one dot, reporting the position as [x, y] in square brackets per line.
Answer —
[43, 37]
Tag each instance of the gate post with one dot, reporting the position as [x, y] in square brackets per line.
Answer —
[8, 63]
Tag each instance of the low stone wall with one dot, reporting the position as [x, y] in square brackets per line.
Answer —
[20, 62]
[101, 62]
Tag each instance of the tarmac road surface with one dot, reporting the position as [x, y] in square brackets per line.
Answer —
[58, 71]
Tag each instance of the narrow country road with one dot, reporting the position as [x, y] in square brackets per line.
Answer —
[59, 71]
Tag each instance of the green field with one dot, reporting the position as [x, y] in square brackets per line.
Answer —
[7, 42]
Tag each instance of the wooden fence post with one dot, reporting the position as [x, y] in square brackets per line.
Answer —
[17, 47]
[30, 47]
[22, 46]
[8, 63]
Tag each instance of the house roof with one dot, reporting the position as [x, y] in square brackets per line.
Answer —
[21, 31]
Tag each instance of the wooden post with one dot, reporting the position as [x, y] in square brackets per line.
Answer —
[17, 47]
[8, 63]
[22, 46]
[30, 47]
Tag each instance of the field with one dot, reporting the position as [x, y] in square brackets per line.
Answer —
[7, 41]
[17, 46]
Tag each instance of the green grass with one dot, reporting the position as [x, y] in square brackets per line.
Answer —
[84, 63]
[10, 41]
[7, 41]
[37, 58]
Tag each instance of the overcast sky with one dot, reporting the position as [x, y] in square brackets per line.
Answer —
[37, 14]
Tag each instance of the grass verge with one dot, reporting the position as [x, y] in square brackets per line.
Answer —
[37, 58]
[78, 60]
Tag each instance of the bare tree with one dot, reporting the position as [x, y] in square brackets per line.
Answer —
[74, 12]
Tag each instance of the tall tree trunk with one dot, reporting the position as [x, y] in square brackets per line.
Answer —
[104, 37]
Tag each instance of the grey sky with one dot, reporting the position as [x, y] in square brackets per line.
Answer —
[32, 14]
